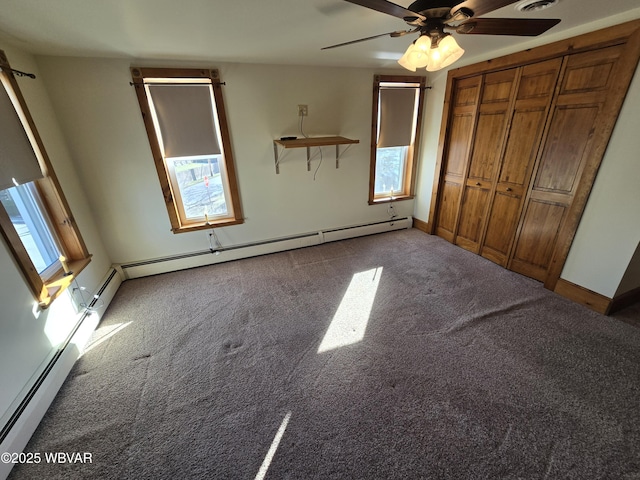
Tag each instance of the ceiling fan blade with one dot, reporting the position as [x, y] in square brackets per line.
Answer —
[391, 34]
[480, 7]
[521, 27]
[387, 7]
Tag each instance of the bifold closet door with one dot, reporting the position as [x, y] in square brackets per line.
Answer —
[526, 126]
[492, 117]
[585, 86]
[460, 133]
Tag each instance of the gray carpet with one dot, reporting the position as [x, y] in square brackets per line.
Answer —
[465, 371]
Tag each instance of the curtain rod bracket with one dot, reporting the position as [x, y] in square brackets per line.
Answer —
[19, 73]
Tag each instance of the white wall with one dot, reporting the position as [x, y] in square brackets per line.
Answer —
[100, 115]
[29, 337]
[609, 231]
[432, 119]
[631, 279]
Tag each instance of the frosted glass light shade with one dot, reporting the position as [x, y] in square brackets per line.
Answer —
[404, 60]
[420, 54]
[446, 53]
[417, 55]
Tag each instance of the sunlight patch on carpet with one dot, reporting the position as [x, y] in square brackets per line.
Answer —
[350, 321]
[274, 446]
[103, 334]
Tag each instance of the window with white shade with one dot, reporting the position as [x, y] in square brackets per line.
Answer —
[35, 219]
[395, 133]
[184, 115]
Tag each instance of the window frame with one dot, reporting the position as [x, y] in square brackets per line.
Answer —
[411, 160]
[179, 224]
[49, 284]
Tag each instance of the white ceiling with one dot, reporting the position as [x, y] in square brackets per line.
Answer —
[259, 31]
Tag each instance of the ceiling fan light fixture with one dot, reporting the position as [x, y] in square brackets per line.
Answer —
[404, 60]
[419, 52]
[447, 52]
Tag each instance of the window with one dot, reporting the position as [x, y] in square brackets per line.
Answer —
[184, 115]
[35, 219]
[395, 135]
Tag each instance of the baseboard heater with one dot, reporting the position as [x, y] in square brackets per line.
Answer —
[245, 250]
[27, 413]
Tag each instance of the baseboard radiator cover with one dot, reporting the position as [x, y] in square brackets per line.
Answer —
[253, 249]
[35, 399]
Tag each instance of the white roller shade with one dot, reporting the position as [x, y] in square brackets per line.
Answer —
[185, 117]
[397, 111]
[17, 157]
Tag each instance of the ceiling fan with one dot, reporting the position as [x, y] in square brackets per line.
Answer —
[435, 48]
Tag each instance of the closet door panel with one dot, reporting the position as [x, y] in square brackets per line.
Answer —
[472, 218]
[448, 210]
[571, 129]
[540, 228]
[502, 228]
[531, 107]
[461, 128]
[488, 137]
[493, 113]
[567, 145]
[521, 146]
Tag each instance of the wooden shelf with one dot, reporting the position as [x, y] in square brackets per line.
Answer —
[312, 142]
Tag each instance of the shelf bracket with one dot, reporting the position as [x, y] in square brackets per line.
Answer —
[275, 154]
[338, 154]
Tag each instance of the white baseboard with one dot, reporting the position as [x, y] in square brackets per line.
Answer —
[37, 400]
[197, 259]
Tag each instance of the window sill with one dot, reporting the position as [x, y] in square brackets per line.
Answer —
[208, 225]
[53, 288]
[399, 198]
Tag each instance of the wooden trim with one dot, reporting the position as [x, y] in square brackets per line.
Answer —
[624, 300]
[374, 134]
[226, 147]
[56, 206]
[60, 282]
[138, 75]
[420, 225]
[399, 198]
[442, 141]
[411, 178]
[163, 176]
[412, 160]
[22, 259]
[584, 296]
[606, 37]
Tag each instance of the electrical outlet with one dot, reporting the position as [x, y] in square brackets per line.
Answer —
[303, 110]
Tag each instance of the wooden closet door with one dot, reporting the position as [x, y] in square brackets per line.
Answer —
[525, 129]
[584, 89]
[461, 127]
[493, 114]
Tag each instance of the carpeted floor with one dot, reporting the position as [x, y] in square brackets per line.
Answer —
[391, 356]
